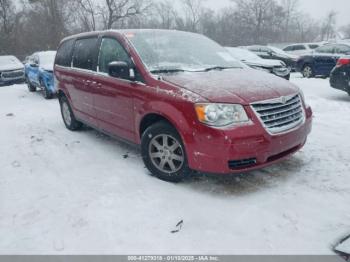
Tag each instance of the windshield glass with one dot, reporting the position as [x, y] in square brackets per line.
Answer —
[47, 58]
[242, 54]
[174, 50]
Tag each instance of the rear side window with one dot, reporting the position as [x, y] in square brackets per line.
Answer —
[313, 46]
[64, 54]
[111, 51]
[84, 53]
[299, 47]
[326, 49]
[342, 49]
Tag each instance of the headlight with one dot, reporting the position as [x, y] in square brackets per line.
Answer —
[303, 97]
[220, 115]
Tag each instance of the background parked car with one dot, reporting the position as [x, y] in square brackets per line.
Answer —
[322, 61]
[301, 49]
[11, 70]
[276, 67]
[340, 75]
[39, 73]
[270, 52]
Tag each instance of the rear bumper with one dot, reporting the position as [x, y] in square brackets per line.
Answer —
[340, 79]
[244, 148]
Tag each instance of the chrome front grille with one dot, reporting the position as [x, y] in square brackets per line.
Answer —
[281, 114]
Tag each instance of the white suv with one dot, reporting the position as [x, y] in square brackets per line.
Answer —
[301, 49]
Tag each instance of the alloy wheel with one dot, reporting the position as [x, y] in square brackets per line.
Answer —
[307, 72]
[166, 153]
[66, 114]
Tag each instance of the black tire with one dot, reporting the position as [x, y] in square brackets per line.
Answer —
[161, 129]
[46, 92]
[308, 71]
[31, 87]
[73, 124]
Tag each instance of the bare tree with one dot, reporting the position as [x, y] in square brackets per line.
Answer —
[166, 13]
[6, 16]
[114, 11]
[328, 26]
[193, 10]
[290, 8]
[87, 13]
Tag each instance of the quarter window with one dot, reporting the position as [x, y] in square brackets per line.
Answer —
[111, 51]
[84, 53]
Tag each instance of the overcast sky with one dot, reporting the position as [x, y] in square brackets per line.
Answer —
[316, 8]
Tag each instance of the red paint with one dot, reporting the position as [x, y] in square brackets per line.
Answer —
[118, 107]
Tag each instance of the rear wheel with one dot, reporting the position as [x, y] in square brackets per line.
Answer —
[31, 87]
[46, 92]
[308, 72]
[164, 153]
[67, 115]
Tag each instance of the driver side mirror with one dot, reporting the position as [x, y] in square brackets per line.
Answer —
[120, 69]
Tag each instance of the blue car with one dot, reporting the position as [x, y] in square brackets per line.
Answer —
[322, 61]
[39, 73]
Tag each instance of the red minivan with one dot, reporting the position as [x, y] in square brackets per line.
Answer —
[183, 98]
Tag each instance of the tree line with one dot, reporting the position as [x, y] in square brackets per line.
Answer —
[31, 25]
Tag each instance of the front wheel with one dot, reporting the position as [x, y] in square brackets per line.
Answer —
[67, 115]
[163, 153]
[308, 72]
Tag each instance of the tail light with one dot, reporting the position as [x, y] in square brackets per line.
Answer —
[343, 61]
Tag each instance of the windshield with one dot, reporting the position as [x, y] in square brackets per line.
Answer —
[174, 50]
[242, 54]
[47, 58]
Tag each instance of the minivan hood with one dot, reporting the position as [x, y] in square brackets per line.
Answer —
[243, 86]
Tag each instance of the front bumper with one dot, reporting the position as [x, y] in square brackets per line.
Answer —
[244, 148]
[11, 77]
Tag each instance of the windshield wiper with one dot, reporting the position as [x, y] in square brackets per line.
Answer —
[218, 68]
[167, 71]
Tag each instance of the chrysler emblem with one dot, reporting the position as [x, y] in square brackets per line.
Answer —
[283, 100]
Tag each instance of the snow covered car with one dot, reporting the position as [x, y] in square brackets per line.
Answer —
[270, 52]
[340, 75]
[183, 98]
[322, 61]
[39, 73]
[276, 67]
[11, 70]
[301, 49]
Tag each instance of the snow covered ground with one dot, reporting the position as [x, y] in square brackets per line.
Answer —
[85, 193]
